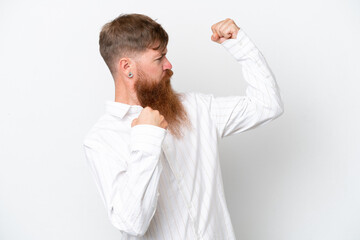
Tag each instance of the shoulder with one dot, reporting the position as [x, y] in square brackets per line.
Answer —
[95, 131]
[106, 127]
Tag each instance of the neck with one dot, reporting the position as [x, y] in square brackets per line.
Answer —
[124, 95]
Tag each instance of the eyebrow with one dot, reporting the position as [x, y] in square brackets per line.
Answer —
[163, 54]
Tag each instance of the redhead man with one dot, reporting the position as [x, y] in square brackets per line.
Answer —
[154, 153]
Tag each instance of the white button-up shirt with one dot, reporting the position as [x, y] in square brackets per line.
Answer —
[155, 186]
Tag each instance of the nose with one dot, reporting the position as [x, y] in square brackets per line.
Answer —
[167, 65]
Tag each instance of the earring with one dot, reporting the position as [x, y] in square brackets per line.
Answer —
[130, 75]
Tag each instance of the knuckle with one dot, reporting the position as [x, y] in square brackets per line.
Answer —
[214, 27]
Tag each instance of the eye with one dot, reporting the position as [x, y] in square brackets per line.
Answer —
[159, 59]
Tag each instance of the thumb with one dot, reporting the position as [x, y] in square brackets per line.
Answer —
[134, 122]
[234, 35]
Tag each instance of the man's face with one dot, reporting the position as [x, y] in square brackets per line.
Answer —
[153, 64]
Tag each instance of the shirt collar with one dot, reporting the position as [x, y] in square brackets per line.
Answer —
[121, 109]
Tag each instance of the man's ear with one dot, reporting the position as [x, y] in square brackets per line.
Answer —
[126, 67]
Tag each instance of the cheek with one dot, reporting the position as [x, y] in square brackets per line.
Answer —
[158, 72]
[155, 70]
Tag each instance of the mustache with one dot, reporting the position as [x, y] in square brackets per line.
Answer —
[168, 74]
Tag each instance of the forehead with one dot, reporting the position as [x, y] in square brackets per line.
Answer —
[154, 53]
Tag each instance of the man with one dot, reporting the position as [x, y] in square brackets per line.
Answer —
[154, 153]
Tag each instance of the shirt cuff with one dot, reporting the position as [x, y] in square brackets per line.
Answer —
[241, 47]
[147, 137]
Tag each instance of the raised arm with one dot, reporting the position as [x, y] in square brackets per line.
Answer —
[262, 102]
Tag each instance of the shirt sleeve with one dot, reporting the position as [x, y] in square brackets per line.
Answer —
[262, 102]
[128, 185]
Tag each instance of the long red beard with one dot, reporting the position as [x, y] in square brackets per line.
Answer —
[161, 96]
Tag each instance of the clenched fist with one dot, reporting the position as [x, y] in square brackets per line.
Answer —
[224, 30]
[150, 116]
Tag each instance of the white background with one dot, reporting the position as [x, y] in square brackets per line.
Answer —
[297, 178]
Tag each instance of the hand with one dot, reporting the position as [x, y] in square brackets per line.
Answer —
[150, 116]
[224, 30]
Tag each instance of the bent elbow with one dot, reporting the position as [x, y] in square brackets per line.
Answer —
[138, 230]
[274, 112]
[279, 111]
[133, 227]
